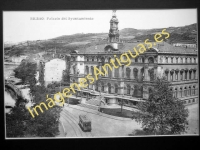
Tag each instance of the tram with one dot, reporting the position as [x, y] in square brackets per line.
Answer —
[85, 123]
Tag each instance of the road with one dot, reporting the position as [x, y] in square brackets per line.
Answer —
[102, 125]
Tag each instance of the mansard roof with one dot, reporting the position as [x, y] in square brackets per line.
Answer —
[124, 47]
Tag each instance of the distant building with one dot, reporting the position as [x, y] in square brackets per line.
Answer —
[18, 59]
[187, 44]
[53, 70]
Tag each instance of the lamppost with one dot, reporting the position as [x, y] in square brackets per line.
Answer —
[123, 87]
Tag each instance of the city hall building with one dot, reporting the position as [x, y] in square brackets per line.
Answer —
[134, 83]
[179, 65]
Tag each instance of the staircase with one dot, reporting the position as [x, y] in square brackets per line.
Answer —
[89, 106]
[94, 102]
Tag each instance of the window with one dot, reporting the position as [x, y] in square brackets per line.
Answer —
[136, 59]
[176, 60]
[181, 75]
[135, 73]
[171, 59]
[194, 60]
[193, 100]
[176, 76]
[194, 74]
[185, 75]
[166, 59]
[171, 74]
[128, 70]
[116, 89]
[189, 101]
[92, 59]
[190, 60]
[151, 60]
[190, 75]
[185, 91]
[194, 90]
[185, 60]
[176, 93]
[181, 92]
[87, 59]
[181, 60]
[128, 90]
[166, 75]
[189, 91]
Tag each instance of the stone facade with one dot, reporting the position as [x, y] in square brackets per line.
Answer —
[178, 64]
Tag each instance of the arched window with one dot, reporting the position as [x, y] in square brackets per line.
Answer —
[189, 92]
[171, 74]
[136, 59]
[181, 92]
[92, 70]
[142, 59]
[150, 91]
[116, 88]
[128, 71]
[74, 69]
[190, 60]
[116, 72]
[186, 71]
[190, 74]
[102, 87]
[88, 59]
[171, 59]
[176, 93]
[87, 70]
[166, 59]
[166, 74]
[194, 90]
[194, 72]
[128, 89]
[181, 74]
[185, 91]
[177, 60]
[135, 73]
[135, 93]
[109, 71]
[181, 60]
[176, 74]
[109, 88]
[194, 60]
[151, 60]
[185, 60]
[92, 58]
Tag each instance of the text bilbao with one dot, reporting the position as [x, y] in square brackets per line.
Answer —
[125, 58]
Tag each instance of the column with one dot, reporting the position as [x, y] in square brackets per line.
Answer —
[146, 76]
[113, 72]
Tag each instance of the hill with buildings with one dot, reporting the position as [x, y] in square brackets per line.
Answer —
[67, 43]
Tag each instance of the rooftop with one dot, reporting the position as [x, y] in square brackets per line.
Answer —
[161, 47]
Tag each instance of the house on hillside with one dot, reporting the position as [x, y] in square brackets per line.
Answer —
[185, 43]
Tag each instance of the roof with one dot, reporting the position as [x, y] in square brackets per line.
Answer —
[163, 47]
[84, 118]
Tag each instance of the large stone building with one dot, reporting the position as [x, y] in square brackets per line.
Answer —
[134, 82]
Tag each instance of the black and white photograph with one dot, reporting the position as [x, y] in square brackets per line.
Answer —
[100, 73]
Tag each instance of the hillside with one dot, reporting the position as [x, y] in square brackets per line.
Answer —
[66, 43]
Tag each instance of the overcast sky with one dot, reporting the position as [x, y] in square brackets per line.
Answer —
[17, 25]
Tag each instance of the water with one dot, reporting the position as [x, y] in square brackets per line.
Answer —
[8, 70]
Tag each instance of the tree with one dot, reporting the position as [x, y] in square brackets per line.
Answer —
[26, 72]
[19, 123]
[162, 113]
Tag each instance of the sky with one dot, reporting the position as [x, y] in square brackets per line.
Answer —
[18, 26]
